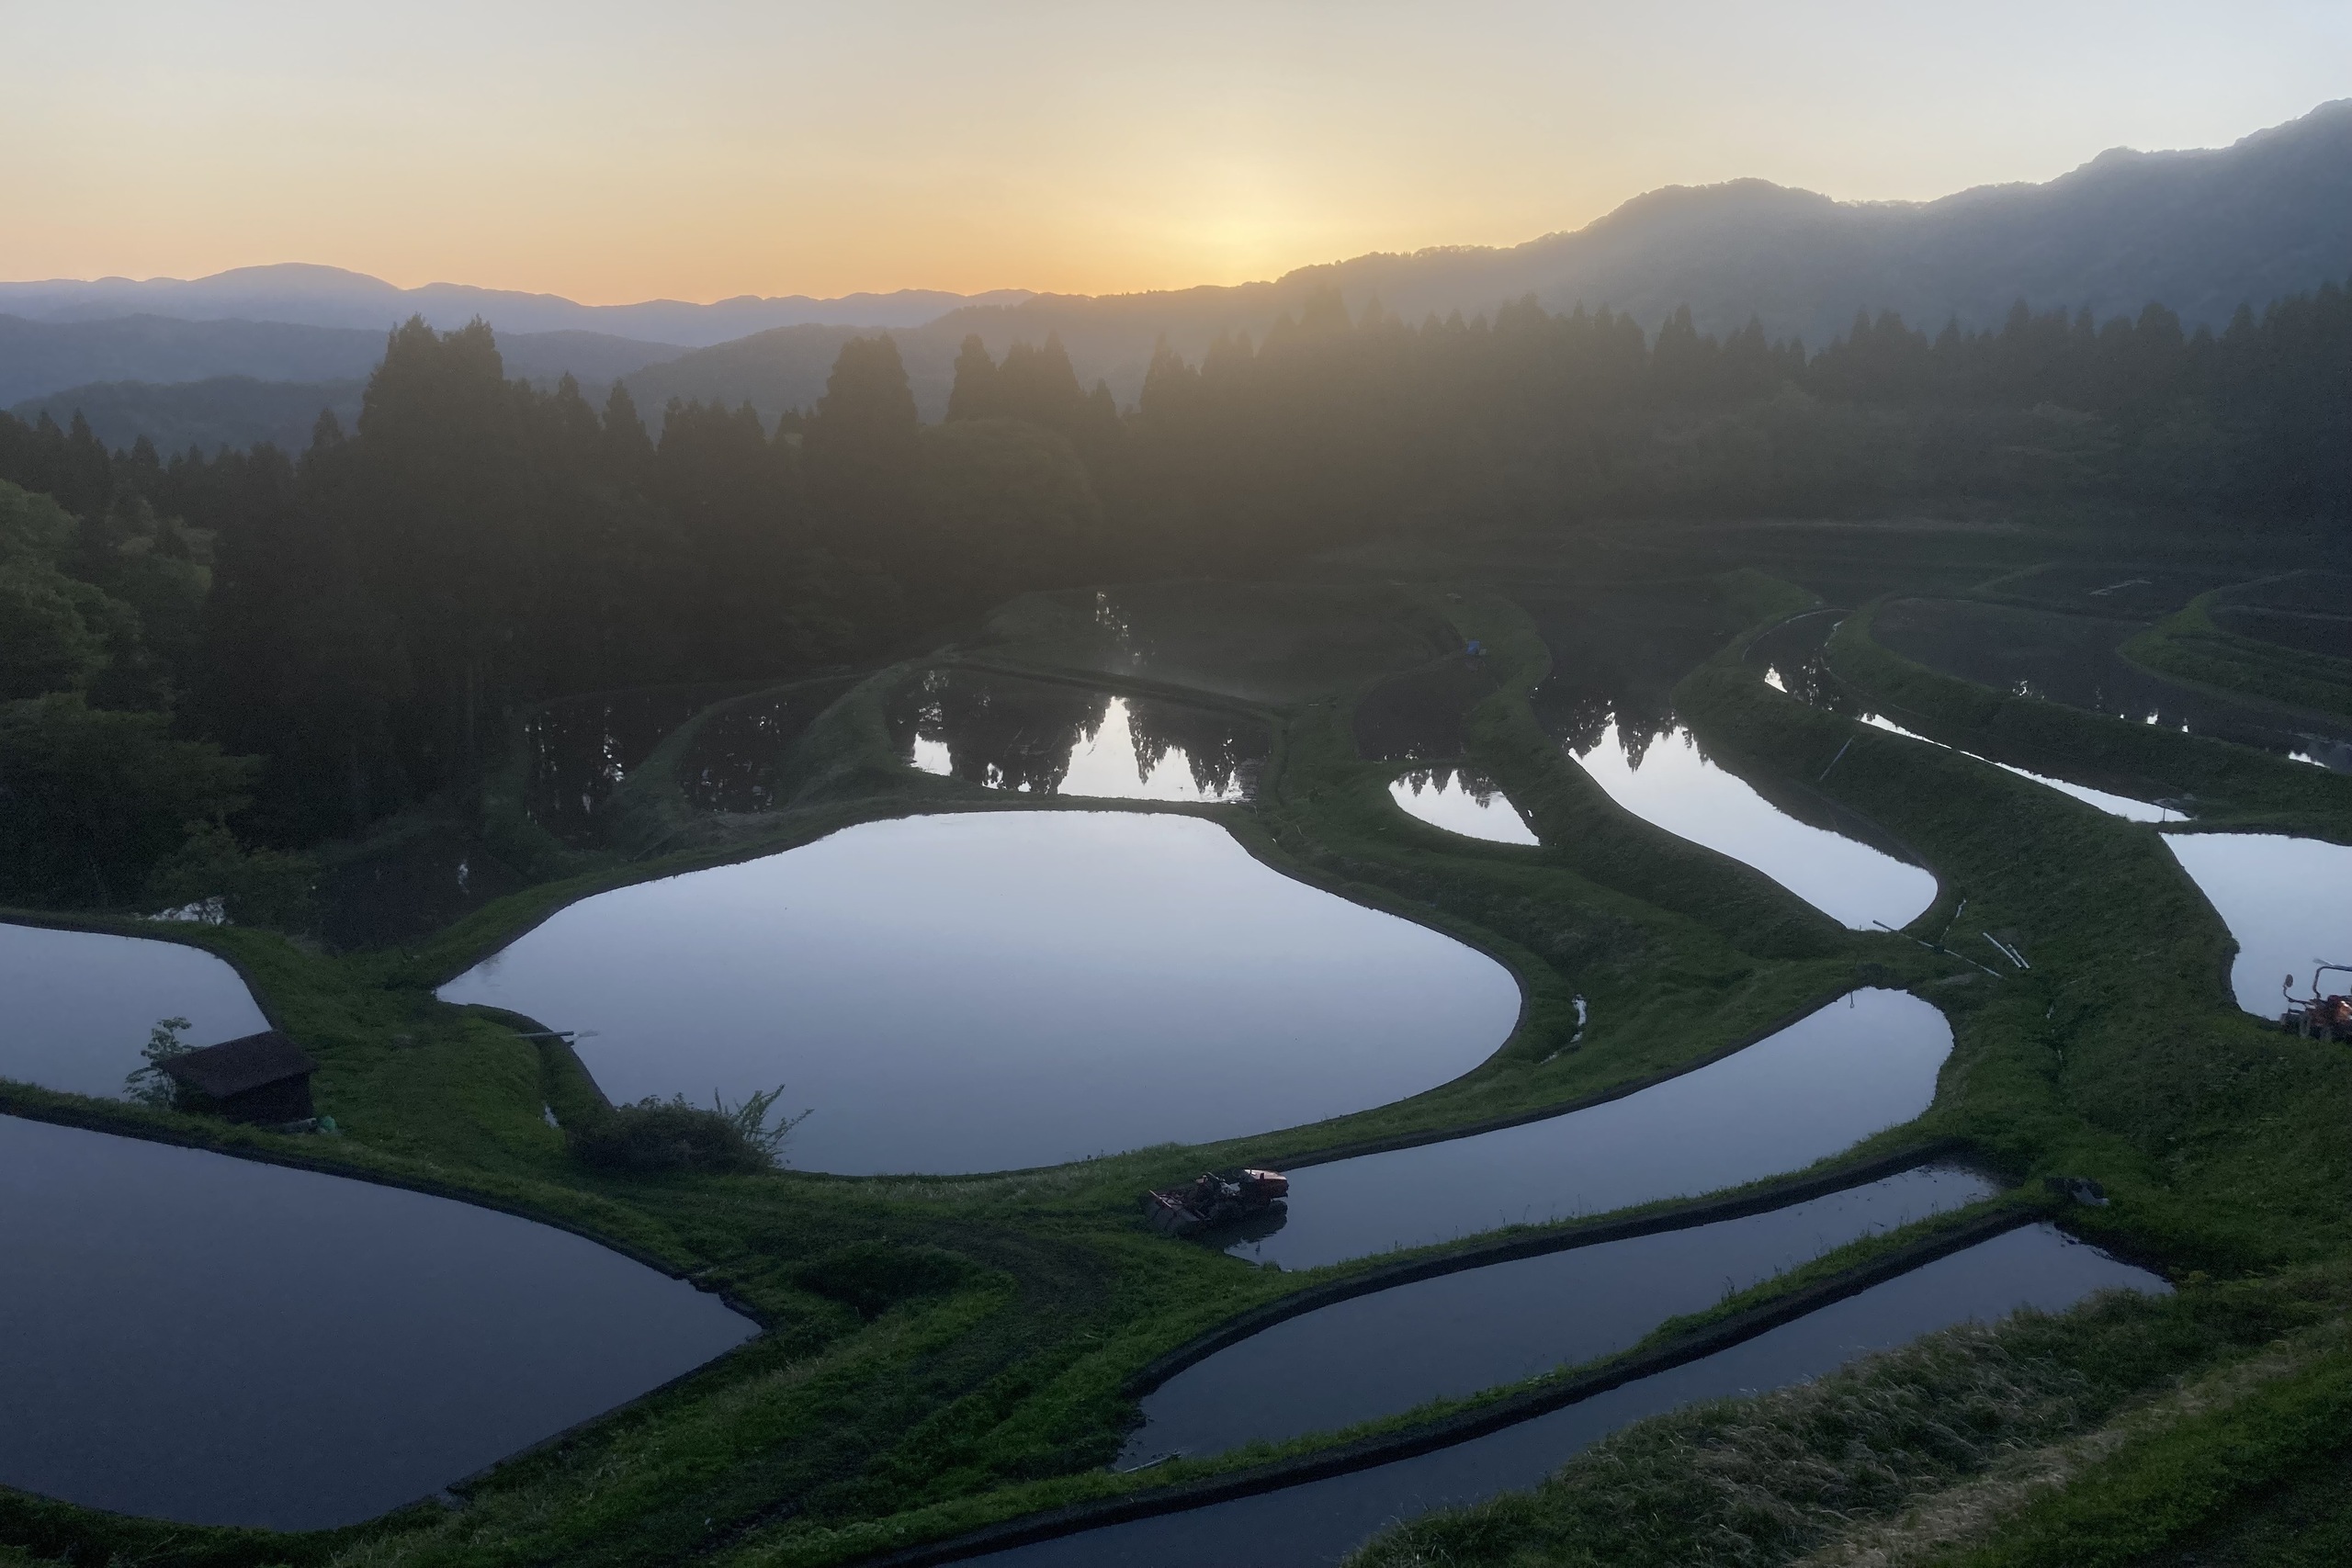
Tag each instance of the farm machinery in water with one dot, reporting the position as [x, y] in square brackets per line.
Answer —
[1212, 1201]
[2320, 1015]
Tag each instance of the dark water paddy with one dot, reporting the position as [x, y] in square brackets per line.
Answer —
[1863, 1063]
[1385, 1353]
[1046, 737]
[75, 1007]
[410, 889]
[578, 751]
[1791, 658]
[2073, 660]
[2283, 899]
[1462, 800]
[1608, 701]
[1667, 778]
[736, 760]
[1422, 715]
[188, 1336]
[999, 989]
[1321, 1521]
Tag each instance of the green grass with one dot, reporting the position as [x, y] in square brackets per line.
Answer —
[2188, 646]
[874, 1415]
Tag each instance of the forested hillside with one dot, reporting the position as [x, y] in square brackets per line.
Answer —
[359, 619]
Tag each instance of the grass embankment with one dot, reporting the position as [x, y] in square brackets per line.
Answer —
[868, 1417]
[2120, 1056]
[2226, 785]
[2190, 646]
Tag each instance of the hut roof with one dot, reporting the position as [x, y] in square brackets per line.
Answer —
[233, 1066]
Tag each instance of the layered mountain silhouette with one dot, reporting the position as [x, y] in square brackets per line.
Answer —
[2201, 231]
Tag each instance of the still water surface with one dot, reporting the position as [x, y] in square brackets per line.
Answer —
[578, 751]
[996, 989]
[1670, 780]
[188, 1336]
[1045, 738]
[1383, 1353]
[75, 1007]
[1321, 1521]
[1462, 801]
[1792, 658]
[2073, 660]
[1863, 1063]
[2282, 898]
[736, 760]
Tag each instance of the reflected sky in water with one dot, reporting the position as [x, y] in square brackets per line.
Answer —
[1045, 738]
[2073, 660]
[986, 991]
[2284, 900]
[1319, 1523]
[1462, 801]
[189, 1336]
[1863, 1063]
[1792, 658]
[1383, 1354]
[78, 1005]
[1669, 781]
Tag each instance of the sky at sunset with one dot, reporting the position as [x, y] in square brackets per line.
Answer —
[701, 149]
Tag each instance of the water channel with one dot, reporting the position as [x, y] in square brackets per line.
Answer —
[1046, 737]
[1385, 1353]
[1863, 1063]
[987, 990]
[2283, 900]
[1321, 1521]
[1462, 800]
[188, 1336]
[79, 1004]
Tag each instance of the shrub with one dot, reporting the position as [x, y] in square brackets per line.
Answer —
[672, 1135]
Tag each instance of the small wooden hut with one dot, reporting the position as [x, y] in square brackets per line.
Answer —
[259, 1078]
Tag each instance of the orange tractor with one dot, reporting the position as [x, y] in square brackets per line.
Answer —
[2320, 1016]
[1213, 1202]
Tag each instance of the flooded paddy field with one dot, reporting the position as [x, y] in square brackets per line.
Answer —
[188, 1336]
[2282, 898]
[410, 888]
[1422, 715]
[735, 762]
[1385, 1352]
[1791, 658]
[990, 990]
[1319, 1522]
[79, 1004]
[1049, 738]
[1462, 800]
[1863, 1063]
[1609, 703]
[2072, 660]
[578, 751]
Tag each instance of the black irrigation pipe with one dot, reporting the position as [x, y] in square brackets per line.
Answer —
[1368, 1452]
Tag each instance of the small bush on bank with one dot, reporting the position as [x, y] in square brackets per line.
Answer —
[671, 1134]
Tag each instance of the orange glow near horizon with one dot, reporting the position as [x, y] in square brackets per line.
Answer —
[612, 153]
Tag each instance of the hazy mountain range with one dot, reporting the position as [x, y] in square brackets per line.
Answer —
[2202, 231]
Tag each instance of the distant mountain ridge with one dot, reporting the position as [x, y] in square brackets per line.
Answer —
[2202, 231]
[306, 295]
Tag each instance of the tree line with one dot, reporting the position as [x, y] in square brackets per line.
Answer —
[297, 644]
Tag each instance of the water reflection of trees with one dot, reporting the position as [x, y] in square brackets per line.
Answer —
[579, 750]
[1224, 756]
[736, 760]
[1481, 788]
[1422, 715]
[1616, 662]
[1006, 733]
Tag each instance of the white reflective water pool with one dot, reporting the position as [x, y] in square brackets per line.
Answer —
[997, 989]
